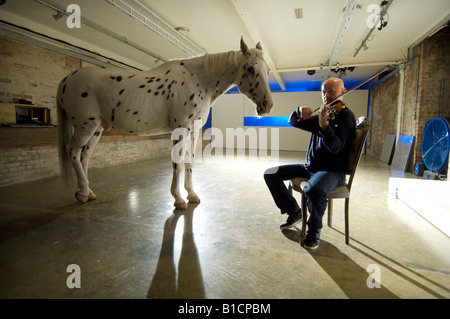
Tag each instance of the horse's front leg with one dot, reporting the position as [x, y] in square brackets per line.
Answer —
[178, 152]
[189, 165]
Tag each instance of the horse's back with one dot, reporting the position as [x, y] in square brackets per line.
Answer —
[131, 101]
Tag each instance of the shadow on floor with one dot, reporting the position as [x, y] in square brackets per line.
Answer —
[188, 283]
[395, 271]
[348, 275]
[13, 227]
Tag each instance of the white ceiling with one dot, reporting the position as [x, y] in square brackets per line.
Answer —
[292, 46]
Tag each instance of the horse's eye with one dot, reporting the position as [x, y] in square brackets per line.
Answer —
[251, 70]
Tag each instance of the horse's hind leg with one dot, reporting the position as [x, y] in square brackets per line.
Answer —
[86, 152]
[74, 148]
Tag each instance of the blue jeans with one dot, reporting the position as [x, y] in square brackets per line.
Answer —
[320, 184]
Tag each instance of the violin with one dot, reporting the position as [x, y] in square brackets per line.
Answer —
[334, 108]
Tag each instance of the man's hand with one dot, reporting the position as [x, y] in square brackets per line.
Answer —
[323, 122]
[305, 112]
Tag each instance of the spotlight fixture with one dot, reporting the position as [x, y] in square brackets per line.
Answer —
[58, 15]
[382, 24]
[180, 29]
[311, 72]
[342, 71]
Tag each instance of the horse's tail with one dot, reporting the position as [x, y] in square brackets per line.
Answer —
[65, 132]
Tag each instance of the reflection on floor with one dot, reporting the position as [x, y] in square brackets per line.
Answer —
[131, 243]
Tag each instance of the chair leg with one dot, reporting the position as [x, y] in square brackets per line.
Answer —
[330, 212]
[347, 230]
[304, 219]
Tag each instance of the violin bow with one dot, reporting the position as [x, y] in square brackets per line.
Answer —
[355, 87]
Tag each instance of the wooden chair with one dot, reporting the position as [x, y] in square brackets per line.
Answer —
[299, 184]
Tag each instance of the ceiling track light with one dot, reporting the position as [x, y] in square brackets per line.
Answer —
[58, 15]
[144, 15]
[182, 29]
[384, 5]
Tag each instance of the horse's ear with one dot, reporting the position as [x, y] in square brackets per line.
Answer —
[258, 46]
[244, 47]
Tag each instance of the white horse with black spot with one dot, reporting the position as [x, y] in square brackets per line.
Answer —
[171, 96]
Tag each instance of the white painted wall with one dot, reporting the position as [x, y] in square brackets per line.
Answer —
[230, 109]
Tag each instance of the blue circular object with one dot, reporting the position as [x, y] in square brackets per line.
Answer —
[435, 144]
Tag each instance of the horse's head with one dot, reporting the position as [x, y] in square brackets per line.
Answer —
[253, 78]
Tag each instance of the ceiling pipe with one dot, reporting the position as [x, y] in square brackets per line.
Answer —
[382, 13]
[348, 13]
[105, 31]
[23, 34]
[158, 25]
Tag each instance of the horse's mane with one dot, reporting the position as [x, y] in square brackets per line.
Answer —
[219, 63]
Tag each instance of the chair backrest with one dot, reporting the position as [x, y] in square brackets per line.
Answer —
[356, 150]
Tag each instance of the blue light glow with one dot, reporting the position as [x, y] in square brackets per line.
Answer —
[305, 86]
[267, 121]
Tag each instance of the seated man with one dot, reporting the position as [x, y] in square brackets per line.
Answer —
[326, 164]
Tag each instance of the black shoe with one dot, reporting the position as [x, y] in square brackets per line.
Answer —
[292, 219]
[312, 239]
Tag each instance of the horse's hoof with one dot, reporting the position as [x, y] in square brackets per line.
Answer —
[91, 196]
[180, 205]
[82, 198]
[194, 199]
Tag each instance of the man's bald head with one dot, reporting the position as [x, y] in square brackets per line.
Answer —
[332, 89]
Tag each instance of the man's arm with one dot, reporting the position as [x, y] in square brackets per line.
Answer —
[302, 118]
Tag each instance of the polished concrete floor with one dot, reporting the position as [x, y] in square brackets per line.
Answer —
[131, 243]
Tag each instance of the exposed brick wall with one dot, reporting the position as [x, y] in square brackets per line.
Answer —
[383, 114]
[32, 73]
[434, 82]
[426, 87]
[25, 164]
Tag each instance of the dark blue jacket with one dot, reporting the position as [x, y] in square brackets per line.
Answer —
[328, 150]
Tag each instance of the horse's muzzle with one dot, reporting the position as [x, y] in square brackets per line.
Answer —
[264, 107]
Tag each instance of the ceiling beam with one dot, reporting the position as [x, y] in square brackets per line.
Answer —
[244, 14]
[325, 67]
[348, 13]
